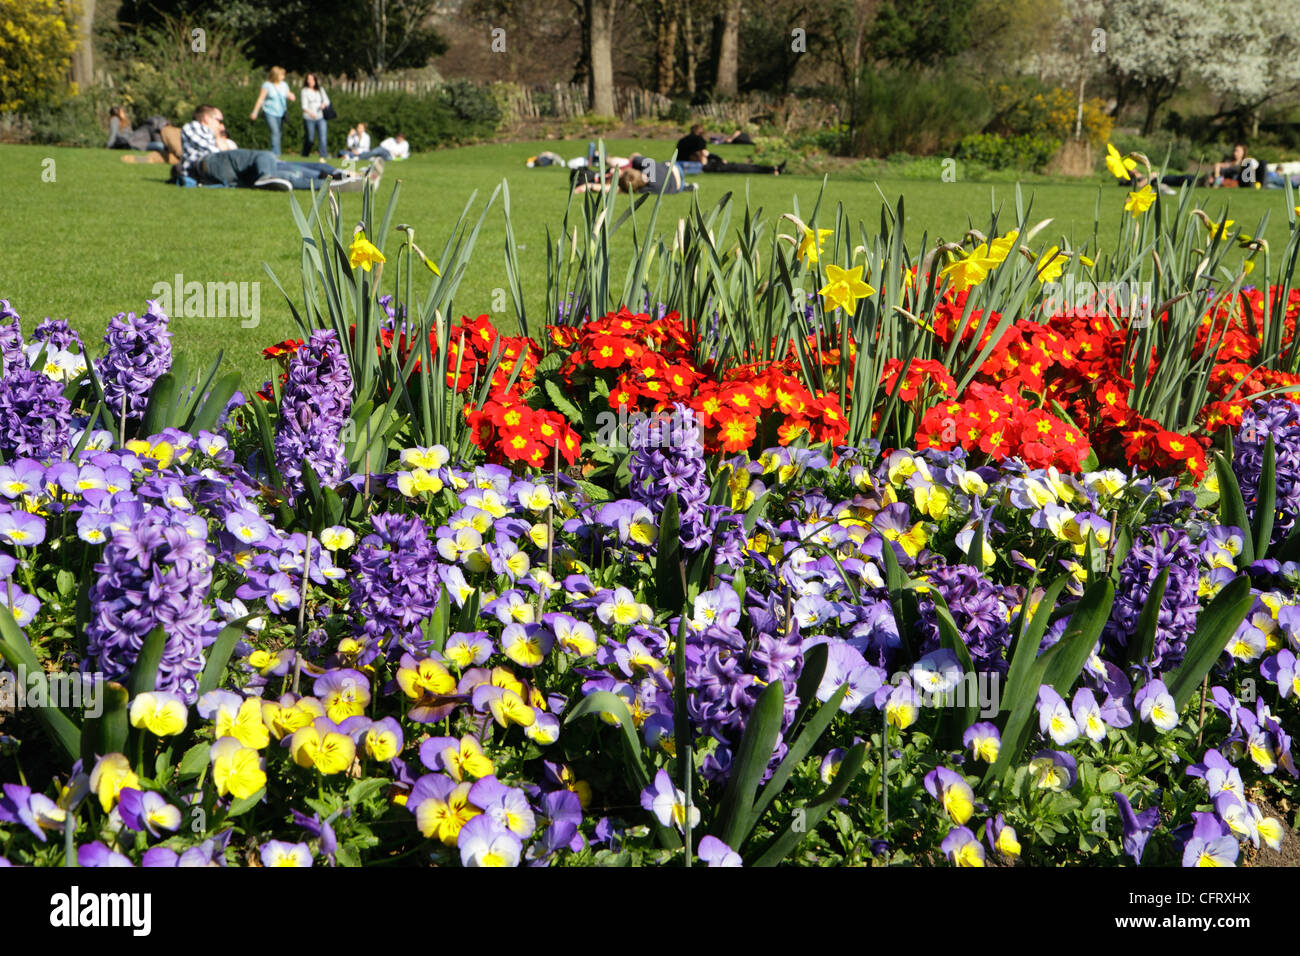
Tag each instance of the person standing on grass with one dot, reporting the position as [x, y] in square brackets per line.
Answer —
[314, 102]
[273, 101]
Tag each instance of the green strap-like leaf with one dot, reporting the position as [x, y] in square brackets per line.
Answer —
[800, 749]
[762, 733]
[145, 672]
[1266, 501]
[1232, 508]
[1143, 641]
[813, 813]
[1215, 627]
[1080, 636]
[218, 655]
[20, 657]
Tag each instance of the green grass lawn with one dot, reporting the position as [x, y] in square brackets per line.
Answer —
[96, 240]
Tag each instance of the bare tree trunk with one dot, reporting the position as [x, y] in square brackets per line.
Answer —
[665, 45]
[600, 17]
[729, 51]
[83, 60]
[688, 31]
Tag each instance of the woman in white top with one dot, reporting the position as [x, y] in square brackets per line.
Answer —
[358, 141]
[273, 102]
[314, 102]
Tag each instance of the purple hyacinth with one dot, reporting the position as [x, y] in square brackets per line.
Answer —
[1155, 548]
[139, 353]
[316, 403]
[155, 572]
[35, 418]
[1279, 418]
[724, 678]
[57, 334]
[668, 458]
[979, 608]
[395, 585]
[11, 338]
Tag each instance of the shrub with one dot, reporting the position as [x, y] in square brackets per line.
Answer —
[1007, 152]
[914, 113]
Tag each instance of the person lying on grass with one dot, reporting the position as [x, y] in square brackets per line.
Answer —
[209, 156]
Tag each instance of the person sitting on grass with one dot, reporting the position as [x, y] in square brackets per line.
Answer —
[1236, 170]
[358, 142]
[645, 175]
[395, 147]
[147, 137]
[208, 156]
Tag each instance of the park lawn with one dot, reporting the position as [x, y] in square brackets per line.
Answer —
[97, 239]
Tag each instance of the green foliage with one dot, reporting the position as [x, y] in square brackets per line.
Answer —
[37, 39]
[914, 112]
[1001, 152]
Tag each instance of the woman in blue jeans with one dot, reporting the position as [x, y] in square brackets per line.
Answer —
[314, 102]
[273, 101]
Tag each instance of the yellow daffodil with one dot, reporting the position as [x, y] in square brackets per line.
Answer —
[1121, 167]
[1140, 201]
[363, 252]
[1001, 247]
[970, 271]
[811, 245]
[844, 287]
[1218, 230]
[1051, 264]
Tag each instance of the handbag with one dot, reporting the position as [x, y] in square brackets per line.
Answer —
[328, 112]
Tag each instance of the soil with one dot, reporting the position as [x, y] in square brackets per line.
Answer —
[1290, 853]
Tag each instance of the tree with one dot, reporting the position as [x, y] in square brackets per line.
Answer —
[728, 50]
[83, 61]
[1254, 56]
[921, 34]
[37, 41]
[325, 36]
[1150, 46]
[599, 16]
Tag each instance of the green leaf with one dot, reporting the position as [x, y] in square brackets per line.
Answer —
[162, 402]
[668, 557]
[219, 654]
[107, 733]
[562, 403]
[240, 807]
[602, 702]
[1266, 502]
[593, 491]
[810, 678]
[1080, 636]
[950, 637]
[1144, 639]
[813, 813]
[1232, 508]
[20, 657]
[205, 417]
[606, 702]
[1215, 627]
[762, 733]
[800, 749]
[145, 672]
[195, 759]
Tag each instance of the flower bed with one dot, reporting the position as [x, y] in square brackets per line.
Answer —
[1059, 632]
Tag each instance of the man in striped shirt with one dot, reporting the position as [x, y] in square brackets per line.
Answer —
[203, 159]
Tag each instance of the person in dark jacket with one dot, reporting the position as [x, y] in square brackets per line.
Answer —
[694, 156]
[122, 136]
